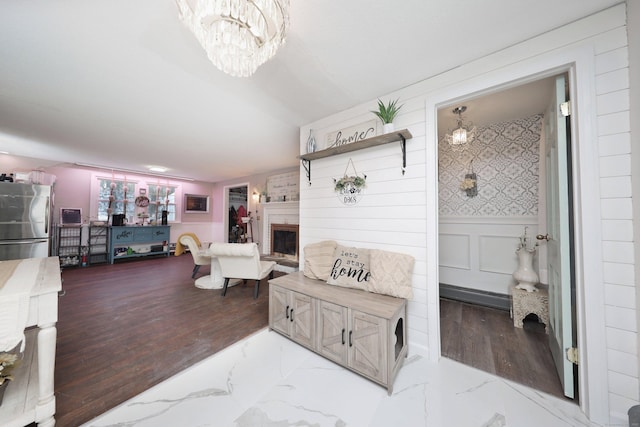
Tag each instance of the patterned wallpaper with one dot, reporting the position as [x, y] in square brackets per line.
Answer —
[505, 157]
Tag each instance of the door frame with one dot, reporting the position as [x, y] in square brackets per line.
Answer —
[225, 207]
[579, 63]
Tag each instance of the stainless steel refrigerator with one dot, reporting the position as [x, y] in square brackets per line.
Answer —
[25, 220]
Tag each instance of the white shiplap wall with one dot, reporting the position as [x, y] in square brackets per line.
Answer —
[614, 149]
[399, 213]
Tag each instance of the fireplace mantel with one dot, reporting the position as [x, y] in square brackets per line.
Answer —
[277, 213]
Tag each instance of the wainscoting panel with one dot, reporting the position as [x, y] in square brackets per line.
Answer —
[478, 253]
[204, 231]
[497, 254]
[454, 251]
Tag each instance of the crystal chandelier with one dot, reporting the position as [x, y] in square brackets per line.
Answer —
[464, 133]
[238, 35]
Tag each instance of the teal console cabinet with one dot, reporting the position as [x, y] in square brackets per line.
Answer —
[133, 241]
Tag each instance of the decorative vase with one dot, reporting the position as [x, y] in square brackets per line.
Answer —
[311, 142]
[388, 128]
[526, 277]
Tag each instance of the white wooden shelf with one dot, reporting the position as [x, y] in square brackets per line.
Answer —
[29, 397]
[21, 397]
[395, 136]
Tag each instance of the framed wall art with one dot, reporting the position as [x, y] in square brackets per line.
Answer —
[195, 203]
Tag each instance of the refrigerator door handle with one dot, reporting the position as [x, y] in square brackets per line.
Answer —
[23, 242]
[46, 216]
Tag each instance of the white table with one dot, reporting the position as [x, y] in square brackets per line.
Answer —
[214, 280]
[29, 398]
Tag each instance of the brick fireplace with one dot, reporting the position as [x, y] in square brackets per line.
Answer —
[284, 217]
[284, 241]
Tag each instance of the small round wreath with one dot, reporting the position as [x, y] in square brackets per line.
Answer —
[355, 181]
[142, 201]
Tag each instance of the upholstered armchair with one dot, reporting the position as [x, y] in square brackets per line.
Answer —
[200, 257]
[241, 261]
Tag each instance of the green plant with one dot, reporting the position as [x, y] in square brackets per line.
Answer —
[387, 113]
[8, 362]
[354, 181]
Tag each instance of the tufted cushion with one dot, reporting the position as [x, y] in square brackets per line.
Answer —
[350, 268]
[391, 273]
[318, 259]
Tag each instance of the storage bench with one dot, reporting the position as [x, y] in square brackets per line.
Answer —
[363, 331]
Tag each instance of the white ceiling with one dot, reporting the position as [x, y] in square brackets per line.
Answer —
[121, 83]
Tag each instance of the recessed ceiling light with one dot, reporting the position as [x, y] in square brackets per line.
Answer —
[157, 169]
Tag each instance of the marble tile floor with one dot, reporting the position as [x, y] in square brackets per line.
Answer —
[267, 380]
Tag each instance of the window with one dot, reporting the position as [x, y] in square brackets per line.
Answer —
[115, 197]
[162, 198]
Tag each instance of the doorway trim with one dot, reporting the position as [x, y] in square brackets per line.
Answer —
[225, 207]
[579, 62]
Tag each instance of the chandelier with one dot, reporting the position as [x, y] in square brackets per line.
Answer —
[464, 133]
[238, 35]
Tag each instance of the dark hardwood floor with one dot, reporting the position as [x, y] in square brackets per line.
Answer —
[486, 339]
[123, 328]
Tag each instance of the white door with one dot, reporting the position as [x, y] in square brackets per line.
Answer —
[559, 238]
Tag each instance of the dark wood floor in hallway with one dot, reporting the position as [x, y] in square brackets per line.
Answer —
[485, 338]
[123, 328]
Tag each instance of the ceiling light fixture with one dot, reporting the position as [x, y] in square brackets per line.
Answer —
[238, 35]
[159, 169]
[464, 133]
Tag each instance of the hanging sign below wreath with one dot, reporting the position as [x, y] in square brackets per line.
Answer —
[350, 188]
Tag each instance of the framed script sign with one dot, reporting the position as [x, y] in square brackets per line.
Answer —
[352, 134]
[284, 187]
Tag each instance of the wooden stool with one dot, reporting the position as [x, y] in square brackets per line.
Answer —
[524, 303]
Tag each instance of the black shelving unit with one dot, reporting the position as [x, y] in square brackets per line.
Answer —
[98, 242]
[70, 245]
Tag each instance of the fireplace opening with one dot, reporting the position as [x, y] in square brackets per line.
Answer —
[284, 241]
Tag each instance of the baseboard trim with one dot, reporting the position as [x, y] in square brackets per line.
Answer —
[475, 296]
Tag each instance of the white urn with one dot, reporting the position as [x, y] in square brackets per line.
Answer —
[526, 277]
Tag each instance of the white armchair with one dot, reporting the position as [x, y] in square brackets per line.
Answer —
[199, 255]
[241, 261]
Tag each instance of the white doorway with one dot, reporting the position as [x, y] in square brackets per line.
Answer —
[236, 205]
[579, 64]
[479, 230]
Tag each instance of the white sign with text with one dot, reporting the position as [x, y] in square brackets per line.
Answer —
[352, 134]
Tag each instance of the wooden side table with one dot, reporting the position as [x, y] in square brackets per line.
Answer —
[524, 303]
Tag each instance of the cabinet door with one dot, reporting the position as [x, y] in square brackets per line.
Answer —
[367, 345]
[332, 332]
[121, 235]
[302, 316]
[279, 309]
[161, 233]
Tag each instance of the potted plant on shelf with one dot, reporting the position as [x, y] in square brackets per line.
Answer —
[387, 113]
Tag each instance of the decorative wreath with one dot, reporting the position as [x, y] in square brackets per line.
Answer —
[142, 201]
[350, 182]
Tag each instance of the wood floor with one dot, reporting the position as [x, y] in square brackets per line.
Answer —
[123, 328]
[486, 339]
